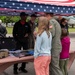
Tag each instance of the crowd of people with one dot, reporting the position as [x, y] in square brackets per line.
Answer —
[51, 43]
[51, 54]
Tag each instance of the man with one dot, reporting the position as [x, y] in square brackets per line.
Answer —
[3, 30]
[32, 26]
[59, 18]
[21, 33]
[56, 45]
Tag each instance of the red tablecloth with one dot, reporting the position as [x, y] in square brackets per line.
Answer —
[71, 58]
[8, 61]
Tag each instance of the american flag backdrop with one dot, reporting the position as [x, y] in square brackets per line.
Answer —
[55, 6]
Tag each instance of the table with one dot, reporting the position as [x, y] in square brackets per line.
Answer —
[71, 58]
[8, 61]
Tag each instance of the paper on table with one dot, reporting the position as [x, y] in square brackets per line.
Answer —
[17, 51]
[11, 55]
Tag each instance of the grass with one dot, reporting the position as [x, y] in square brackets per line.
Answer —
[71, 29]
[10, 29]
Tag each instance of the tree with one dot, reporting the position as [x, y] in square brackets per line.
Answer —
[8, 19]
[15, 18]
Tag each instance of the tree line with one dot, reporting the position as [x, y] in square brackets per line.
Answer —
[8, 19]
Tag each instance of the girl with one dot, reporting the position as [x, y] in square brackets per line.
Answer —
[64, 55]
[42, 53]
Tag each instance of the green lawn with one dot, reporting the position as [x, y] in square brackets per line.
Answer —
[71, 29]
[9, 30]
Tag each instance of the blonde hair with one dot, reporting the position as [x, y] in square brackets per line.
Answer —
[43, 25]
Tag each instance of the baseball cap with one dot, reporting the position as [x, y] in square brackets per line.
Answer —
[23, 14]
[33, 15]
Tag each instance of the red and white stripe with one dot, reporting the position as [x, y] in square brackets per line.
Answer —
[53, 2]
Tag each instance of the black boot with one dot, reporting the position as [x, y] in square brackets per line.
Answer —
[23, 70]
[15, 72]
[15, 68]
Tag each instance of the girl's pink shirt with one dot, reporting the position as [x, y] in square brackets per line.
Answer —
[65, 47]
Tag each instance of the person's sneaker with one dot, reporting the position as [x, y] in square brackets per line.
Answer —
[15, 72]
[23, 70]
